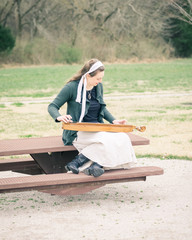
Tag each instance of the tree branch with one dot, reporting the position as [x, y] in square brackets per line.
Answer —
[34, 5]
[182, 12]
[4, 20]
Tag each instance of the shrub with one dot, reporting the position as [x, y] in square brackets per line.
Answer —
[67, 54]
[181, 38]
[7, 41]
[38, 51]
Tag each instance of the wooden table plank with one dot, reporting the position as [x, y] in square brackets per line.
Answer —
[47, 144]
[33, 145]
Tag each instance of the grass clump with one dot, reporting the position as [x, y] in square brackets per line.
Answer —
[17, 104]
[2, 106]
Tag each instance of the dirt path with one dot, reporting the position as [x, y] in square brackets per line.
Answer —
[157, 209]
[8, 101]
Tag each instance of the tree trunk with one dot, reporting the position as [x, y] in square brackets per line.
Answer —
[19, 18]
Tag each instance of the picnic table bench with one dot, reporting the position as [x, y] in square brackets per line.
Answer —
[46, 167]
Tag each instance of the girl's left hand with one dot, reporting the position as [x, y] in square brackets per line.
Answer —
[123, 121]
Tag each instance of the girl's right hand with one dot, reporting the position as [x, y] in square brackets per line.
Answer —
[65, 118]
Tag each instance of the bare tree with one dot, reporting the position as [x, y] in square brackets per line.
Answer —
[6, 9]
[95, 24]
[181, 10]
[23, 10]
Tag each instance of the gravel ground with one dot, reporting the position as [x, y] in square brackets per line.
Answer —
[160, 208]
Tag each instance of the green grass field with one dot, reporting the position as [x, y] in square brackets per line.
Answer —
[45, 81]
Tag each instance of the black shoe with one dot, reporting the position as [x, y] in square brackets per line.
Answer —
[95, 170]
[76, 163]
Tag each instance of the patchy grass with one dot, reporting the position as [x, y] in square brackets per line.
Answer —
[164, 157]
[27, 136]
[169, 133]
[169, 137]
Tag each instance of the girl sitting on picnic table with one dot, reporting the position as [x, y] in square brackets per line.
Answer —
[97, 150]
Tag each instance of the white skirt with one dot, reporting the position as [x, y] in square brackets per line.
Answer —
[110, 150]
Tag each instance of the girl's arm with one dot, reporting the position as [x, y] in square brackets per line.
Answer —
[53, 108]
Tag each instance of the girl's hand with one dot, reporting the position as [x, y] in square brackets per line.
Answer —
[65, 118]
[123, 121]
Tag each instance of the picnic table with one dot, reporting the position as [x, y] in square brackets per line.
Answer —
[45, 167]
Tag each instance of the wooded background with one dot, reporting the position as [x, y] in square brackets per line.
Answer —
[61, 31]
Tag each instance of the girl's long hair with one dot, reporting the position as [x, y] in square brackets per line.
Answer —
[85, 69]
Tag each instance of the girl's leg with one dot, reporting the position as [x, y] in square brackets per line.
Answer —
[77, 162]
[95, 170]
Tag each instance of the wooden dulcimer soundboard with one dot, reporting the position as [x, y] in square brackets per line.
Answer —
[101, 127]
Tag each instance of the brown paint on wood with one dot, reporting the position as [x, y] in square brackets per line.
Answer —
[52, 181]
[48, 144]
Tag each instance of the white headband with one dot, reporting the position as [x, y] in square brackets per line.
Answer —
[93, 68]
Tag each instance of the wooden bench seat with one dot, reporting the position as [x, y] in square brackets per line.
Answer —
[22, 165]
[69, 184]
